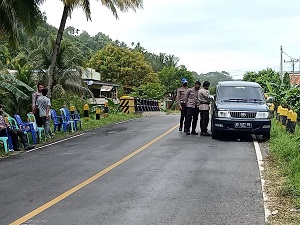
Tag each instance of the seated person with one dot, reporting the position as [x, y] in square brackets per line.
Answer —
[14, 133]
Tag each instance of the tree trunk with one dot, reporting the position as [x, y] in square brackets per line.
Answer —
[55, 50]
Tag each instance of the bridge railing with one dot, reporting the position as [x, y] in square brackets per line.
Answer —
[130, 105]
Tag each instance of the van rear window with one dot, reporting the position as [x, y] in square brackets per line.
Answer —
[240, 92]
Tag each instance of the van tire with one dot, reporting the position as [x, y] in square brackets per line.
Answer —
[266, 136]
[214, 135]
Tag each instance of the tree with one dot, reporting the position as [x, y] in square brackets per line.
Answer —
[149, 91]
[170, 78]
[13, 91]
[262, 77]
[113, 5]
[122, 65]
[213, 77]
[68, 74]
[14, 13]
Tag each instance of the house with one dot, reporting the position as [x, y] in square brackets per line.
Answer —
[295, 78]
[101, 90]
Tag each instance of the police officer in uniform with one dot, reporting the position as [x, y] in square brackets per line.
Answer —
[181, 101]
[204, 102]
[192, 110]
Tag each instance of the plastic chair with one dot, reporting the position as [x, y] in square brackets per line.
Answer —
[72, 117]
[7, 143]
[13, 124]
[40, 130]
[58, 121]
[26, 127]
[67, 119]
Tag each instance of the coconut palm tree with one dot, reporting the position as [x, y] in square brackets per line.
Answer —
[68, 71]
[14, 13]
[69, 5]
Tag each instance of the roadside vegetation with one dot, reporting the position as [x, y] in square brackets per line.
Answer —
[283, 175]
[283, 162]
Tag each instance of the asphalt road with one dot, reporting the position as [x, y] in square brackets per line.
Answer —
[174, 179]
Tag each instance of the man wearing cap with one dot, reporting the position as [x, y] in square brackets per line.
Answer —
[14, 133]
[204, 102]
[192, 110]
[180, 97]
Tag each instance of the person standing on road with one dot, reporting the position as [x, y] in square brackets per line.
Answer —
[35, 111]
[192, 110]
[181, 101]
[204, 101]
[43, 104]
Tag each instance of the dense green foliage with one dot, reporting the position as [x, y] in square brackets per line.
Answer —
[213, 77]
[282, 91]
[122, 65]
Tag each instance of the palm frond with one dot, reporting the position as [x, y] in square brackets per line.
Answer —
[12, 89]
[28, 13]
[11, 79]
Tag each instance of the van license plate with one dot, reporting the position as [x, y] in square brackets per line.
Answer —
[242, 125]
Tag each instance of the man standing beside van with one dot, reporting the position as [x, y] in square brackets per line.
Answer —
[204, 102]
[192, 111]
[181, 101]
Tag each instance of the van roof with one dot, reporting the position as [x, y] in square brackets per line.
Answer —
[238, 83]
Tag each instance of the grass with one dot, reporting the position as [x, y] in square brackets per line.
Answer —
[283, 175]
[87, 124]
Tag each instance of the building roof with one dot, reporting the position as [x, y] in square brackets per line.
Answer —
[99, 82]
[294, 79]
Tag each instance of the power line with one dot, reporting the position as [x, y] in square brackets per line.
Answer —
[288, 55]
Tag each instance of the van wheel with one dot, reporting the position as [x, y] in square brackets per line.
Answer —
[214, 134]
[267, 136]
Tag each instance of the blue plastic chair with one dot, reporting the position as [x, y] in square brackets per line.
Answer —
[7, 143]
[26, 127]
[67, 119]
[58, 121]
[72, 117]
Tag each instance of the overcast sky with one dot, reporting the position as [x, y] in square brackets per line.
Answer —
[207, 35]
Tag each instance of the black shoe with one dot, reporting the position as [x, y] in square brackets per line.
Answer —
[16, 150]
[194, 133]
[205, 134]
[180, 128]
[29, 147]
[188, 133]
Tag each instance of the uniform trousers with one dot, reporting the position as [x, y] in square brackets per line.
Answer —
[191, 118]
[39, 120]
[182, 114]
[204, 119]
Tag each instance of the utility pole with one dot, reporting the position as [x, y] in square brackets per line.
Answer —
[293, 62]
[281, 69]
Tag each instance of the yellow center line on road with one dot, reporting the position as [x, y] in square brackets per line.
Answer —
[86, 182]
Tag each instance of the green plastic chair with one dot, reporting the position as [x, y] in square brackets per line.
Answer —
[13, 123]
[5, 143]
[41, 130]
